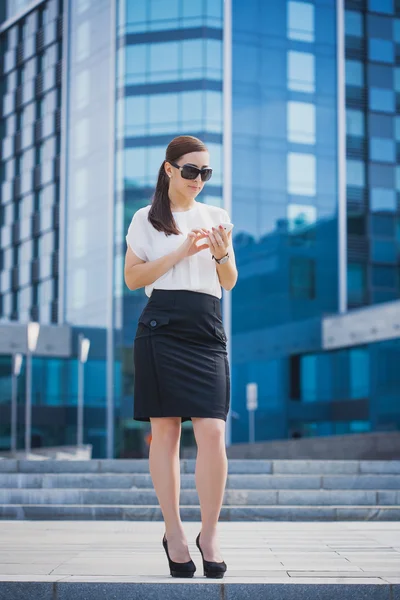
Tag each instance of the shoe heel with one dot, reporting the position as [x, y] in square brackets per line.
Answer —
[212, 570]
[186, 569]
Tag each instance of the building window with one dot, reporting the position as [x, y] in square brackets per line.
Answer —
[81, 138]
[191, 110]
[381, 6]
[354, 73]
[356, 282]
[81, 188]
[163, 113]
[355, 173]
[382, 199]
[354, 23]
[82, 5]
[355, 122]
[301, 122]
[380, 76]
[381, 50]
[82, 90]
[382, 100]
[301, 174]
[309, 378]
[135, 115]
[382, 150]
[301, 71]
[359, 373]
[384, 276]
[383, 226]
[300, 23]
[397, 30]
[83, 41]
[135, 63]
[164, 61]
[384, 251]
[302, 278]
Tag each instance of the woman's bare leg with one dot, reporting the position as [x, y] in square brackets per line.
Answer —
[165, 473]
[211, 475]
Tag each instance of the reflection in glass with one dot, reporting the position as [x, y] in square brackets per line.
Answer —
[163, 113]
[382, 100]
[82, 47]
[301, 71]
[300, 22]
[356, 282]
[135, 63]
[382, 199]
[301, 218]
[164, 61]
[302, 277]
[354, 23]
[381, 50]
[355, 122]
[355, 173]
[301, 174]
[381, 6]
[301, 122]
[382, 150]
[354, 73]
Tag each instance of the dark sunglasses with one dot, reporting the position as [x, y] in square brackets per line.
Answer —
[191, 172]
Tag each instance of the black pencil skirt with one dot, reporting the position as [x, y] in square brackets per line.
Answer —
[180, 357]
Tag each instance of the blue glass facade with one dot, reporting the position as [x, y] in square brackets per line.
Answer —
[169, 83]
[373, 192]
[284, 187]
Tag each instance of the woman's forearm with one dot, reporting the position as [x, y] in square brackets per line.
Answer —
[227, 274]
[146, 273]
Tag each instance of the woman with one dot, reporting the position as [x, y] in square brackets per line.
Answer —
[180, 254]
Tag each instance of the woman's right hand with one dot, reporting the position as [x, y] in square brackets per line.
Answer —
[189, 246]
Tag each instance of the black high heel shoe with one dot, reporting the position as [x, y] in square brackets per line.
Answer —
[212, 569]
[186, 569]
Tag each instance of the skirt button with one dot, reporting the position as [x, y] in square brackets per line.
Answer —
[153, 323]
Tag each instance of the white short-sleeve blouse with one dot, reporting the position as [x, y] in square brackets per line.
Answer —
[197, 273]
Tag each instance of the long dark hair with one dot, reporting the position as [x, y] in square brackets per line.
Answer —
[160, 214]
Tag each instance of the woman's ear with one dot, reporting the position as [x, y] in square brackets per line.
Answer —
[168, 170]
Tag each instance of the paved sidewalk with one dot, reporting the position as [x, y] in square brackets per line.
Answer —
[84, 560]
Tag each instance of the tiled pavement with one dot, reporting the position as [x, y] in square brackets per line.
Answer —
[63, 560]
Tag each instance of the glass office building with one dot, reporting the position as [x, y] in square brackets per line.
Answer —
[297, 103]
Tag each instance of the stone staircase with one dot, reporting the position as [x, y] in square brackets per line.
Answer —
[276, 490]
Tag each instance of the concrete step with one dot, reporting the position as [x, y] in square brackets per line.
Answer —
[190, 497]
[249, 466]
[192, 513]
[143, 480]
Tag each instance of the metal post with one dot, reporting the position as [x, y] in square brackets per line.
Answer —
[16, 370]
[28, 404]
[251, 427]
[14, 392]
[81, 388]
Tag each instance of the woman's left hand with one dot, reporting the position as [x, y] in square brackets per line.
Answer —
[219, 241]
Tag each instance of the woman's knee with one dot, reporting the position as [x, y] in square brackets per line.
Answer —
[209, 432]
[166, 429]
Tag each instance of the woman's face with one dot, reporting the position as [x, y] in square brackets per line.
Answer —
[188, 188]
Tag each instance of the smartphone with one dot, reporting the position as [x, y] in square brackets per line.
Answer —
[227, 226]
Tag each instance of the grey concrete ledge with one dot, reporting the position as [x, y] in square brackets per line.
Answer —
[197, 589]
